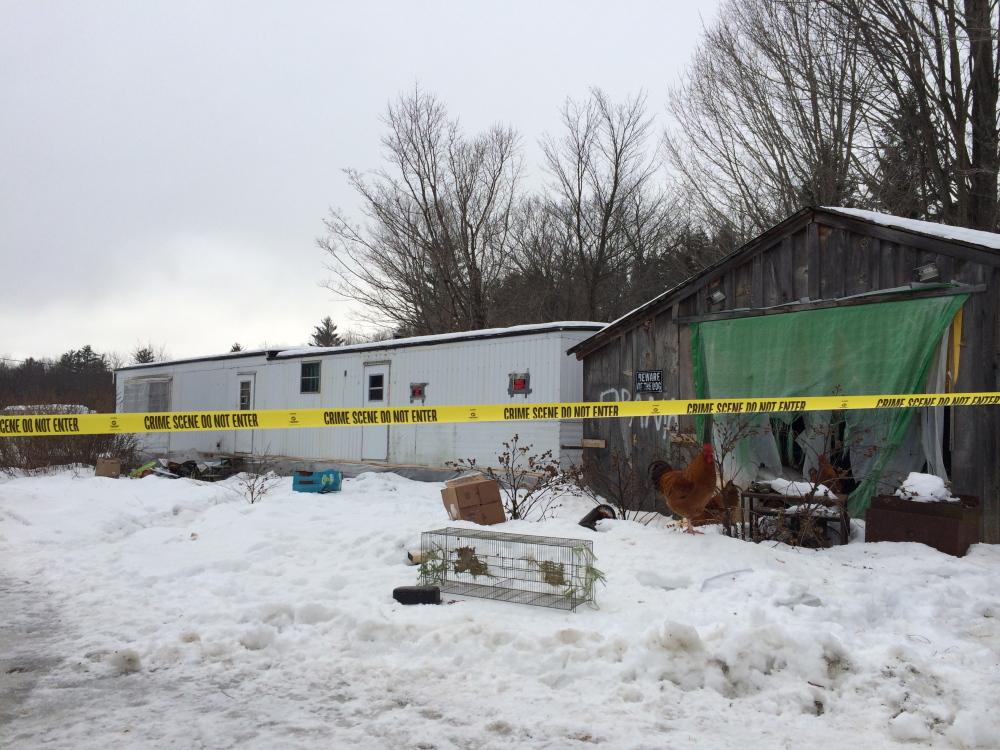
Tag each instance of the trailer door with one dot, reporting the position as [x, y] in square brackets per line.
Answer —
[243, 440]
[375, 439]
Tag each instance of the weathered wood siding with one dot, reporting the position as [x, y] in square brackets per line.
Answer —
[820, 258]
[609, 376]
[975, 457]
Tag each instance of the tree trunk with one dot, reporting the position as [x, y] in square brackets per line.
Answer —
[984, 84]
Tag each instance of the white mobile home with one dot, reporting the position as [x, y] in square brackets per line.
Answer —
[518, 366]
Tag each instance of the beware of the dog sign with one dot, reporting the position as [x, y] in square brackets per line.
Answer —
[649, 381]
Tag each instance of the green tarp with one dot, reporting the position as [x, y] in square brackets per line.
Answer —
[880, 348]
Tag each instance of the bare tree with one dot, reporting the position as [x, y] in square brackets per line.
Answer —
[349, 338]
[770, 114]
[605, 220]
[541, 283]
[437, 235]
[116, 360]
[938, 67]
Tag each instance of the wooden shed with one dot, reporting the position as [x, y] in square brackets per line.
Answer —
[857, 301]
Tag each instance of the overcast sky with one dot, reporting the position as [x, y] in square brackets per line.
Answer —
[165, 167]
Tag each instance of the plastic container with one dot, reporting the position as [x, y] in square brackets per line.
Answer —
[317, 481]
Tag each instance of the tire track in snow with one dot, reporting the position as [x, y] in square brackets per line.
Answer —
[27, 633]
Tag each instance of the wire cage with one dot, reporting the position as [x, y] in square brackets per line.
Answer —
[543, 571]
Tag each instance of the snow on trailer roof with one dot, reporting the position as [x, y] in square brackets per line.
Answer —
[288, 352]
[486, 333]
[47, 409]
[202, 358]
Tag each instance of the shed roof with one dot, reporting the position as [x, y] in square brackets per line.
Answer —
[976, 237]
[287, 352]
[982, 246]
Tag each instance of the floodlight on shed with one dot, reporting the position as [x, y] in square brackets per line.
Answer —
[927, 272]
[717, 297]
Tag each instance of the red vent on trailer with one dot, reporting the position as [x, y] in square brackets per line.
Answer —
[418, 392]
[519, 384]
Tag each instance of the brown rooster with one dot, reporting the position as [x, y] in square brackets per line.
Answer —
[716, 510]
[825, 474]
[687, 492]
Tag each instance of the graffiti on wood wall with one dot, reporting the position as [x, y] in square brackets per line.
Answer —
[662, 425]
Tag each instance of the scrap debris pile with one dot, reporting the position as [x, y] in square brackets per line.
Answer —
[207, 471]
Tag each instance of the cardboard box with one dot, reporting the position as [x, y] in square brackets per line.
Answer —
[485, 515]
[474, 498]
[470, 479]
[108, 467]
[468, 494]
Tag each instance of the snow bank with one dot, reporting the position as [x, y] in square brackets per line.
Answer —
[181, 616]
[925, 488]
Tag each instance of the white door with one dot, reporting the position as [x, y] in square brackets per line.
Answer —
[375, 439]
[245, 384]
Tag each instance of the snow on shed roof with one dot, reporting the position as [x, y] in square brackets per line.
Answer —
[958, 234]
[281, 352]
[988, 240]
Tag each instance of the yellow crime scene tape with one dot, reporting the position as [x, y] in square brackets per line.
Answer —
[270, 419]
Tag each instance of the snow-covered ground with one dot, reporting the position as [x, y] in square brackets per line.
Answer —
[169, 613]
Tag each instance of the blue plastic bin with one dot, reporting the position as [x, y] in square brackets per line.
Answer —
[317, 481]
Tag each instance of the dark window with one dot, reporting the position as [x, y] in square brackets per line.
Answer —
[244, 395]
[376, 387]
[310, 377]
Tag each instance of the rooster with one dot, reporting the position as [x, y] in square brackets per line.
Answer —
[720, 508]
[825, 474]
[687, 492]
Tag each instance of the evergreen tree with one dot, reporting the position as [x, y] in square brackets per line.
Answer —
[82, 360]
[143, 355]
[902, 183]
[325, 334]
[237, 347]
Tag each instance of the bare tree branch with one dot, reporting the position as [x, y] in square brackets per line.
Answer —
[438, 222]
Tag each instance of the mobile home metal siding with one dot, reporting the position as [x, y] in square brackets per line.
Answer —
[473, 371]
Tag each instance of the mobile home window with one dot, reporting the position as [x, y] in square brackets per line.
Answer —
[310, 377]
[244, 395]
[376, 387]
[142, 396]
